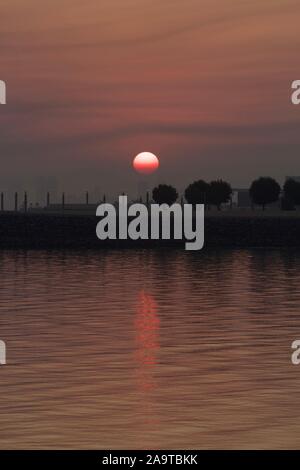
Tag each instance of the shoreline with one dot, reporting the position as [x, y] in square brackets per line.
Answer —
[67, 231]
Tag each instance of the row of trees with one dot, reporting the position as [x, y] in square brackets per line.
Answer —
[200, 192]
[263, 191]
[266, 190]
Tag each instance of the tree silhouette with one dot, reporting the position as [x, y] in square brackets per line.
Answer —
[292, 191]
[197, 192]
[164, 194]
[264, 190]
[219, 193]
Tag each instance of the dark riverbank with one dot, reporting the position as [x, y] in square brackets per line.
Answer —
[19, 230]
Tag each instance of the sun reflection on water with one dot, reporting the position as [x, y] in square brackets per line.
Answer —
[147, 327]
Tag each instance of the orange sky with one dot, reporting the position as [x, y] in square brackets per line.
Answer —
[204, 84]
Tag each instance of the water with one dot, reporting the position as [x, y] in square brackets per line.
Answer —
[137, 349]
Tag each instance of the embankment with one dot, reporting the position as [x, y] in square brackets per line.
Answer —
[19, 230]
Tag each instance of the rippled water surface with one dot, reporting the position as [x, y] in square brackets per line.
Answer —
[149, 349]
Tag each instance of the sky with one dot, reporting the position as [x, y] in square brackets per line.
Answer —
[204, 84]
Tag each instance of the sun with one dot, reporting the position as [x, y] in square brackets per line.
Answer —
[146, 163]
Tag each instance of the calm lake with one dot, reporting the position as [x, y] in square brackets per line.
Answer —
[149, 349]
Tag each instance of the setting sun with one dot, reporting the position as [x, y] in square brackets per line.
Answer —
[146, 163]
